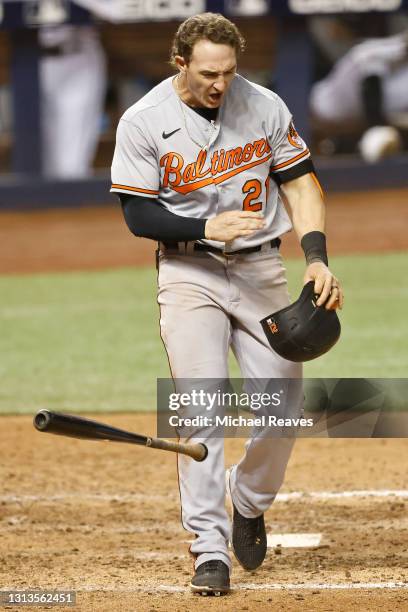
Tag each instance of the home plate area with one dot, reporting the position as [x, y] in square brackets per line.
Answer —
[110, 529]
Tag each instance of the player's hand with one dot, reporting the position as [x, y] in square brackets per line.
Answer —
[233, 224]
[326, 285]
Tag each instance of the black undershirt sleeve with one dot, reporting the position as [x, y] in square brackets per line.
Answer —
[302, 168]
[147, 218]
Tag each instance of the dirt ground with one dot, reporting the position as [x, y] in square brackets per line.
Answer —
[103, 519]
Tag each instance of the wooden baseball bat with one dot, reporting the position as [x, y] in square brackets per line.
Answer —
[86, 429]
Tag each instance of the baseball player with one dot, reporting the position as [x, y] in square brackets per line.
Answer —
[376, 96]
[73, 83]
[202, 164]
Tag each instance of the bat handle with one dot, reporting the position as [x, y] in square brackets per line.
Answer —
[197, 451]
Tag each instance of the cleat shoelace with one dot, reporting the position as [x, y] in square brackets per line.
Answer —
[213, 565]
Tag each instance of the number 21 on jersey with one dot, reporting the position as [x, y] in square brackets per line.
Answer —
[253, 190]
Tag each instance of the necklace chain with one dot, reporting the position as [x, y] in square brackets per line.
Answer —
[212, 123]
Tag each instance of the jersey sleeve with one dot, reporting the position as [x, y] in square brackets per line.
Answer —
[134, 167]
[291, 156]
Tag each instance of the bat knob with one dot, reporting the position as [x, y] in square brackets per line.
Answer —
[41, 420]
[205, 448]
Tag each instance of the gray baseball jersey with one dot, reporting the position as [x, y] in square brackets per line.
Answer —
[198, 168]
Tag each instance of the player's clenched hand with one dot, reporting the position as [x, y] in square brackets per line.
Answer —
[233, 224]
[326, 285]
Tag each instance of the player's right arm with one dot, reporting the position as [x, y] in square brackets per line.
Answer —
[148, 218]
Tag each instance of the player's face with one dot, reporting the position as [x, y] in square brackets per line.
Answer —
[206, 78]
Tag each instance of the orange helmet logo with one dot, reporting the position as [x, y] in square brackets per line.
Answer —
[272, 326]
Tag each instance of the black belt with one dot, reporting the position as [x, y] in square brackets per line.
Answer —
[208, 248]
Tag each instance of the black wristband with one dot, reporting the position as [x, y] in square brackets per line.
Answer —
[314, 247]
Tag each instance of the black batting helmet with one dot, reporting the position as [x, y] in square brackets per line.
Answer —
[302, 331]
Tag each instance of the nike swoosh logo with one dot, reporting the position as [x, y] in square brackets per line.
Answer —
[164, 135]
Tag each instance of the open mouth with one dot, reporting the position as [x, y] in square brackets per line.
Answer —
[215, 97]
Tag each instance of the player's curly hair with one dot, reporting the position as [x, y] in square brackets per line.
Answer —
[206, 26]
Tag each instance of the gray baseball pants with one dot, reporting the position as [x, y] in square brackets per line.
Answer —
[209, 303]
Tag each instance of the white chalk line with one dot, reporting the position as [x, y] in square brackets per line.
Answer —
[289, 540]
[242, 586]
[16, 523]
[137, 497]
[294, 540]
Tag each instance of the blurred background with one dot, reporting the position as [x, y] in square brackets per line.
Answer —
[68, 70]
[78, 314]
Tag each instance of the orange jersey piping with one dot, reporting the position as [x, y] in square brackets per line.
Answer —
[136, 189]
[290, 161]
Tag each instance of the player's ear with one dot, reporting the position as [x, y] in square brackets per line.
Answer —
[181, 63]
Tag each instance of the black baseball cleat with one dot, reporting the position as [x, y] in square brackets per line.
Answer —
[211, 578]
[248, 541]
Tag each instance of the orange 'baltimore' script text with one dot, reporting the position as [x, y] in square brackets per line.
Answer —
[223, 165]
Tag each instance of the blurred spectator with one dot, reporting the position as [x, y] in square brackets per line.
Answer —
[334, 35]
[367, 89]
[73, 84]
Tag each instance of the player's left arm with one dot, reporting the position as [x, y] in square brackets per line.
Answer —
[304, 198]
